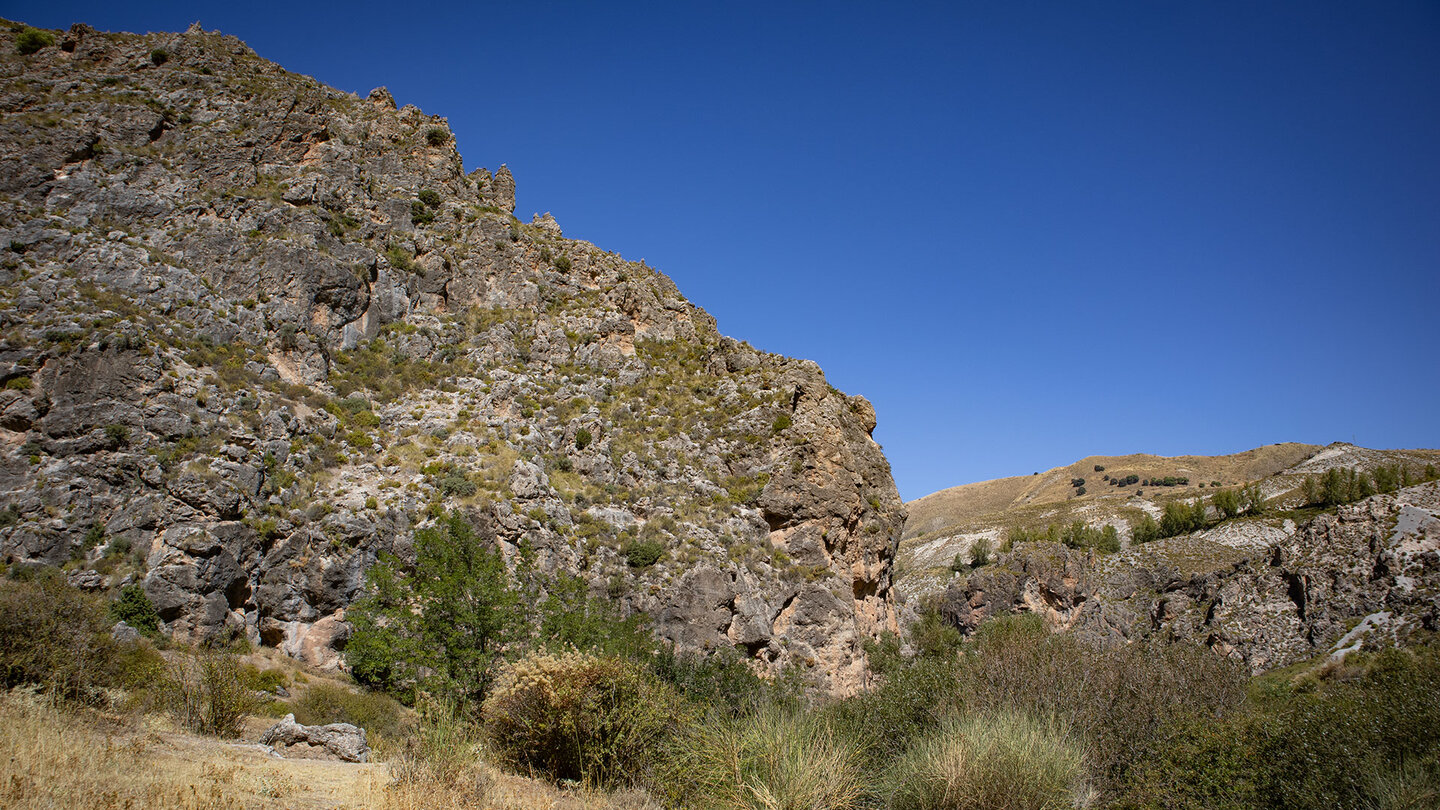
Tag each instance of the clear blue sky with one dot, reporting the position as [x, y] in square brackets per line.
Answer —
[1028, 232]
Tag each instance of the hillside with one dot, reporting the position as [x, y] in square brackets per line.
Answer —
[1271, 585]
[256, 332]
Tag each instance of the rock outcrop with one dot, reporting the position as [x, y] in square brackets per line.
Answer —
[1369, 574]
[340, 741]
[255, 331]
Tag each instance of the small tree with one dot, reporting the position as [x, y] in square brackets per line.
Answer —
[980, 552]
[1226, 502]
[443, 623]
[1254, 499]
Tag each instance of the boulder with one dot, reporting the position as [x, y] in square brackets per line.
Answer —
[340, 741]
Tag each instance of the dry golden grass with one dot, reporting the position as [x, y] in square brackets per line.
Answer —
[960, 507]
[58, 758]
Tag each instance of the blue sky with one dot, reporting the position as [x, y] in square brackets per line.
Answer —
[1028, 232]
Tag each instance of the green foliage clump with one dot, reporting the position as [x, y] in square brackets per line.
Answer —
[159, 57]
[55, 636]
[31, 40]
[1183, 518]
[436, 136]
[440, 626]
[429, 197]
[641, 553]
[206, 694]
[1307, 744]
[582, 439]
[1076, 534]
[1000, 761]
[323, 703]
[1144, 529]
[581, 716]
[135, 609]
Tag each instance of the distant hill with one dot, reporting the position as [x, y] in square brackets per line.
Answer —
[1116, 490]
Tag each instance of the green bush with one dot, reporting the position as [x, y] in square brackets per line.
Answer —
[323, 703]
[1144, 529]
[135, 609]
[582, 439]
[436, 136]
[159, 57]
[643, 553]
[771, 759]
[31, 40]
[206, 694]
[600, 719]
[429, 197]
[1001, 761]
[55, 636]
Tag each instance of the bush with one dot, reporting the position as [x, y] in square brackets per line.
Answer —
[159, 57]
[1227, 503]
[55, 636]
[1001, 761]
[436, 136]
[323, 703]
[31, 40]
[135, 609]
[1144, 529]
[582, 439]
[643, 553]
[980, 552]
[429, 197]
[441, 759]
[600, 719]
[771, 759]
[206, 694]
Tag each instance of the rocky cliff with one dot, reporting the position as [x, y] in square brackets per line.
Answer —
[256, 330]
[1269, 590]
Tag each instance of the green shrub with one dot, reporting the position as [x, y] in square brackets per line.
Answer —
[563, 263]
[782, 422]
[135, 609]
[582, 439]
[323, 703]
[420, 214]
[600, 719]
[771, 759]
[1001, 761]
[643, 553]
[1144, 529]
[19, 384]
[159, 57]
[436, 136]
[429, 197]
[117, 435]
[206, 694]
[1227, 503]
[31, 40]
[54, 636]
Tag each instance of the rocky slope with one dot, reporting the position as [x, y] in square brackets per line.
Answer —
[1270, 590]
[256, 330]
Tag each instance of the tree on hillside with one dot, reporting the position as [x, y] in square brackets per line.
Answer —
[440, 625]
[1226, 502]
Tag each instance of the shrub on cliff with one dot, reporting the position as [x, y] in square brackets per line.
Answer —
[31, 40]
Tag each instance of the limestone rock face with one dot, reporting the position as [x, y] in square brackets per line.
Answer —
[1369, 574]
[256, 331]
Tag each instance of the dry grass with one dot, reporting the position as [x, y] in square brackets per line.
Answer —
[961, 506]
[58, 758]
